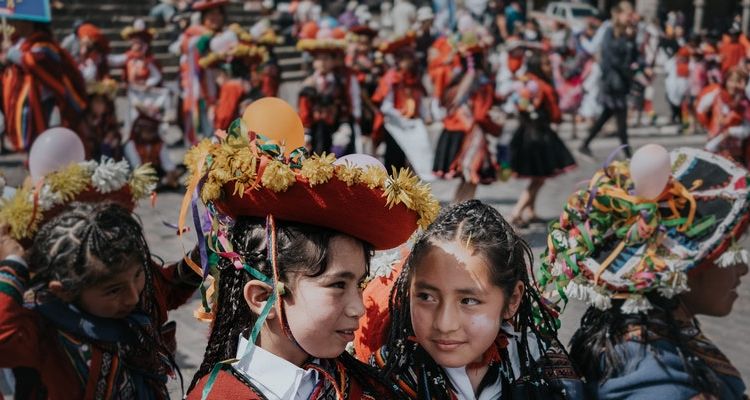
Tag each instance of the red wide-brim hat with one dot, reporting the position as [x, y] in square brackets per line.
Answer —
[240, 179]
[208, 4]
[356, 210]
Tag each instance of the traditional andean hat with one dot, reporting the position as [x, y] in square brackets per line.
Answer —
[611, 244]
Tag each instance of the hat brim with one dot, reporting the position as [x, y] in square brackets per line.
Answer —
[355, 210]
[321, 45]
[721, 192]
[207, 5]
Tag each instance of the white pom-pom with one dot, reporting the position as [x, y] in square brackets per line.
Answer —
[636, 304]
[46, 198]
[110, 175]
[676, 283]
[90, 166]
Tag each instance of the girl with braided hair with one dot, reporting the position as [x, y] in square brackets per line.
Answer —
[465, 321]
[93, 323]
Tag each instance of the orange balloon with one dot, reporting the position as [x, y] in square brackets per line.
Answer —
[277, 121]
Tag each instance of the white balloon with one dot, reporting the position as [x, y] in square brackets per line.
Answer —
[650, 169]
[53, 150]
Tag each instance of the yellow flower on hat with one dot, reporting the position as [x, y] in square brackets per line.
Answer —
[318, 169]
[278, 176]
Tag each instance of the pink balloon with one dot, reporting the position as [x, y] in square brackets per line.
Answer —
[53, 150]
[650, 169]
[360, 160]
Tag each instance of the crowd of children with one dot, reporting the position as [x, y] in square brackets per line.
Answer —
[289, 209]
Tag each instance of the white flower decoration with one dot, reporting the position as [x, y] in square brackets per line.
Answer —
[46, 198]
[110, 175]
[675, 283]
[636, 304]
[89, 165]
[600, 300]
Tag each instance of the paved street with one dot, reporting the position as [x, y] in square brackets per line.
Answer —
[730, 333]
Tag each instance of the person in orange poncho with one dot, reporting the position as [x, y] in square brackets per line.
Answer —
[725, 113]
[733, 49]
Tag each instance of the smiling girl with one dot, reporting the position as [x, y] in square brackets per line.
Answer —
[465, 320]
[94, 326]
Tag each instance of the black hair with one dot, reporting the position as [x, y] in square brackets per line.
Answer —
[593, 345]
[87, 243]
[534, 66]
[301, 249]
[509, 257]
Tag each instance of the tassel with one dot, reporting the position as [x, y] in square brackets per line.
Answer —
[636, 304]
[575, 290]
[601, 301]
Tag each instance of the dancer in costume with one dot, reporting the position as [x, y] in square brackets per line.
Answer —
[677, 85]
[141, 71]
[93, 49]
[536, 151]
[367, 68]
[145, 146]
[725, 113]
[102, 128]
[329, 102]
[464, 320]
[233, 58]
[403, 104]
[199, 90]
[649, 245]
[265, 36]
[469, 93]
[293, 255]
[39, 77]
[94, 325]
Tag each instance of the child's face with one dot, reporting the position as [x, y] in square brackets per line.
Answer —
[323, 312]
[456, 310]
[117, 296]
[713, 291]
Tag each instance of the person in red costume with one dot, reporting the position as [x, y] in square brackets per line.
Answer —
[469, 93]
[402, 100]
[38, 77]
[725, 113]
[199, 89]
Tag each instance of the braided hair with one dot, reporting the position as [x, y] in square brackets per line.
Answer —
[510, 259]
[88, 243]
[301, 249]
[600, 332]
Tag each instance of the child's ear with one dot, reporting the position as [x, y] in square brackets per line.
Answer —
[256, 295]
[514, 301]
[58, 290]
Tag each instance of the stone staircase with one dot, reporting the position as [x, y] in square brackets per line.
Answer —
[111, 16]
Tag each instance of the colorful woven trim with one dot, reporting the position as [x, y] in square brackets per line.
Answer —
[610, 244]
[96, 181]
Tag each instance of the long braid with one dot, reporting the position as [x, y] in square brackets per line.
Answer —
[480, 227]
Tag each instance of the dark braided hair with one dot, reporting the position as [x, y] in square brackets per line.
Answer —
[88, 243]
[510, 261]
[301, 249]
[601, 331]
